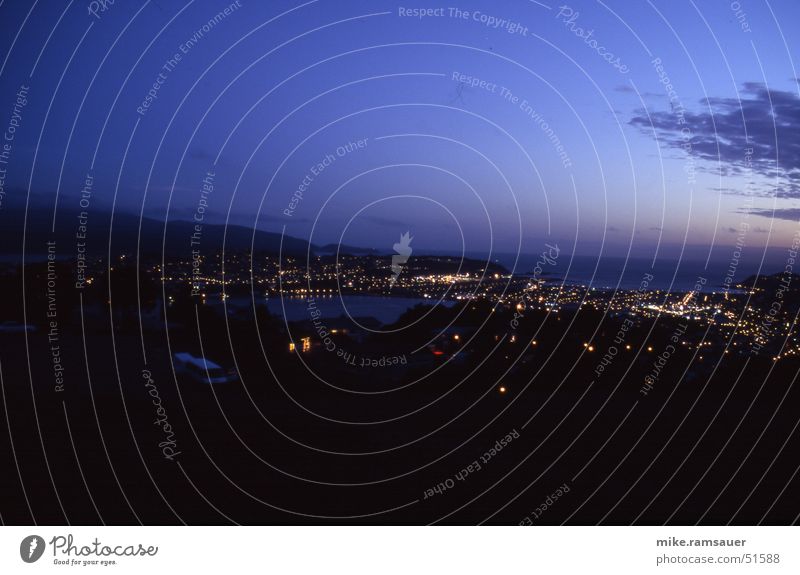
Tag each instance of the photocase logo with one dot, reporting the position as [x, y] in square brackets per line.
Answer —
[31, 548]
[403, 250]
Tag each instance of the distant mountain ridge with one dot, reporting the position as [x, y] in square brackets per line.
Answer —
[128, 233]
[345, 249]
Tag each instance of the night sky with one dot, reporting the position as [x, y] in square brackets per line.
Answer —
[610, 127]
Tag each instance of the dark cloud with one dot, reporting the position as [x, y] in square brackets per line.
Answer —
[791, 214]
[628, 89]
[763, 120]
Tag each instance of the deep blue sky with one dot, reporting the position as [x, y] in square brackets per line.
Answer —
[272, 99]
